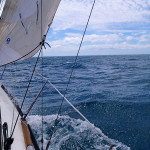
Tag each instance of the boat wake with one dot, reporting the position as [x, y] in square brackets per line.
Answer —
[71, 134]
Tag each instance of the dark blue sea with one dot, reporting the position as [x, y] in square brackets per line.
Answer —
[112, 92]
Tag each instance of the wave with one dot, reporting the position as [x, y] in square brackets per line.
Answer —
[71, 134]
[68, 65]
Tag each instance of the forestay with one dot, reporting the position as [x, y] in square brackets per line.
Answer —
[20, 28]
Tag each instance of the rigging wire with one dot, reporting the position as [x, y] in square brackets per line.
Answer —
[42, 112]
[3, 72]
[34, 100]
[18, 85]
[40, 44]
[42, 139]
[59, 110]
[26, 92]
[14, 97]
[99, 131]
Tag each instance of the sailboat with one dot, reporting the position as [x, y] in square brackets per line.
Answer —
[24, 25]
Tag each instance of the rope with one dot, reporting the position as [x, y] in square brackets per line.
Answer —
[26, 92]
[24, 55]
[59, 110]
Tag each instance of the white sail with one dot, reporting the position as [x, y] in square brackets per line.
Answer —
[20, 27]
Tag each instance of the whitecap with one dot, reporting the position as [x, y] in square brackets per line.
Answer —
[71, 134]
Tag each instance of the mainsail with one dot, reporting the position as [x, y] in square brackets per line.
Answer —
[21, 28]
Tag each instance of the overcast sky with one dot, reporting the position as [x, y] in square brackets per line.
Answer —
[116, 27]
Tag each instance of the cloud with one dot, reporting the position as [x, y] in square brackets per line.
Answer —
[128, 38]
[144, 38]
[110, 41]
[73, 14]
[140, 38]
[74, 39]
[99, 49]
[102, 38]
[115, 25]
[120, 46]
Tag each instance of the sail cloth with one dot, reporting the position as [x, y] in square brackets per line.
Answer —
[2, 4]
[20, 28]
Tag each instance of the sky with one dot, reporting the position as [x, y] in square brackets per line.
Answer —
[116, 27]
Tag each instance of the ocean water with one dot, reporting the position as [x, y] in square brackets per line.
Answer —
[113, 92]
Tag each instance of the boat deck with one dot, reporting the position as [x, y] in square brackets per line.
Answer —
[7, 111]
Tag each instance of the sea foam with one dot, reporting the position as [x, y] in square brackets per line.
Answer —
[71, 134]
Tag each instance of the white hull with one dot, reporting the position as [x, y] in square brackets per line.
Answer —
[7, 110]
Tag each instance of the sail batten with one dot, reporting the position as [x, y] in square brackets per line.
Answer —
[20, 28]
